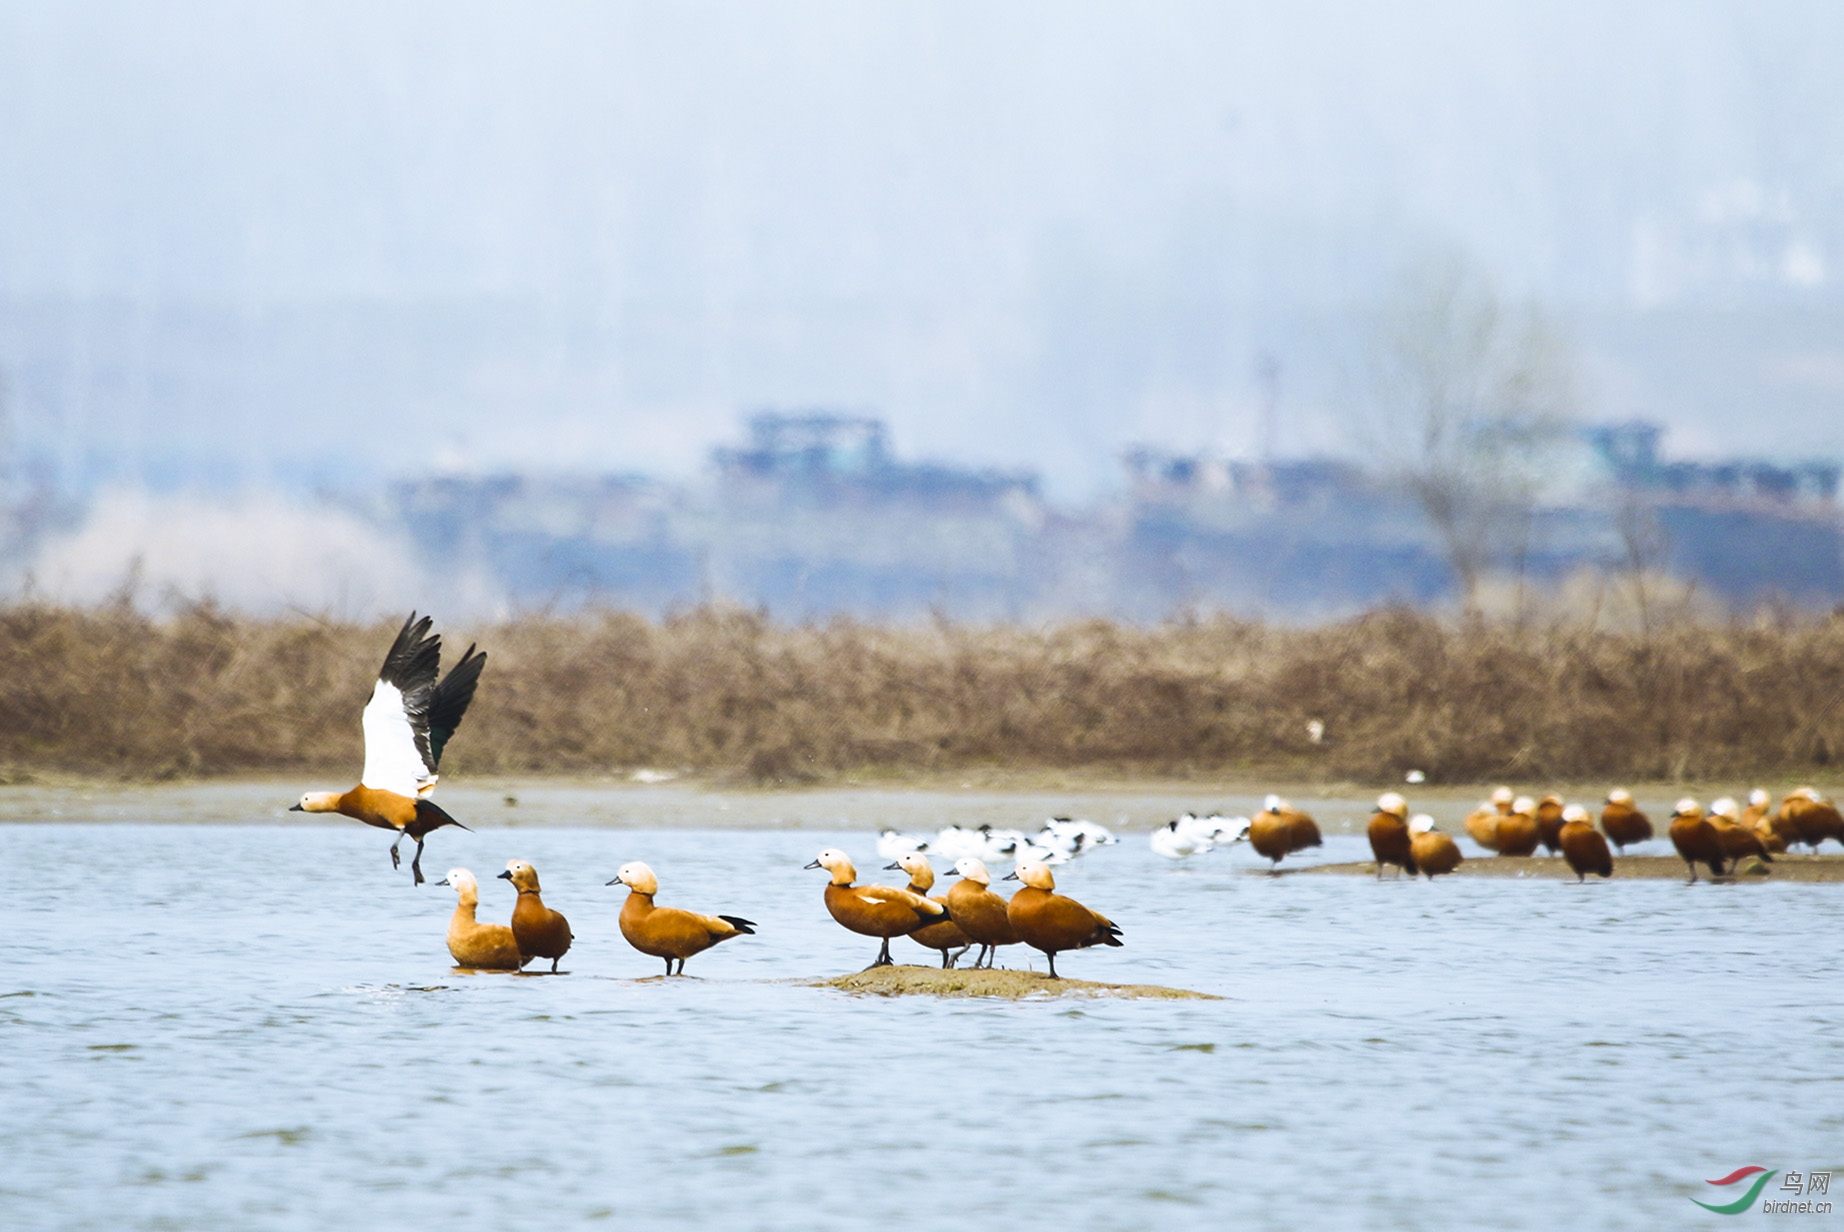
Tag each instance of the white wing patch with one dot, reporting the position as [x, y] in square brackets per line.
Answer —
[391, 760]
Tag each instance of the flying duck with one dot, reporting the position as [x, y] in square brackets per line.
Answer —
[407, 723]
[874, 910]
[668, 932]
[1051, 922]
[1389, 834]
[539, 931]
[484, 947]
[945, 936]
[1584, 847]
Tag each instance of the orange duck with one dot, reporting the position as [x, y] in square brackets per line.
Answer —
[1584, 847]
[981, 914]
[1696, 839]
[1389, 834]
[874, 911]
[539, 931]
[1051, 922]
[669, 932]
[1279, 830]
[1435, 853]
[1623, 822]
[945, 936]
[1482, 822]
[407, 723]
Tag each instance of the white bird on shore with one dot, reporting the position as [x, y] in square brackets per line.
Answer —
[1192, 835]
[1073, 838]
[958, 843]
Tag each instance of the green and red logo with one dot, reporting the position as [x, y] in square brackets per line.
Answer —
[1761, 1177]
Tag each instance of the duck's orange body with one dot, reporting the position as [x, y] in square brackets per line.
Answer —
[1549, 822]
[1624, 823]
[669, 932]
[539, 931]
[1584, 847]
[945, 938]
[1696, 840]
[1813, 818]
[1388, 832]
[483, 947]
[1052, 922]
[1435, 853]
[1518, 833]
[874, 911]
[982, 915]
[1280, 830]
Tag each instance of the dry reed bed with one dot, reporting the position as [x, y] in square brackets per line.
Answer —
[731, 692]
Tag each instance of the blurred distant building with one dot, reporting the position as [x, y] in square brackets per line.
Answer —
[814, 514]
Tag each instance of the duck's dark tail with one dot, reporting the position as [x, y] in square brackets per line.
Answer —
[739, 923]
[430, 816]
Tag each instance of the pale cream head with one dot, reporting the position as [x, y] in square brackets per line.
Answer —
[1501, 796]
[1725, 807]
[1421, 823]
[1524, 805]
[1036, 874]
[1620, 795]
[522, 875]
[319, 802]
[1550, 798]
[465, 886]
[1688, 807]
[1392, 803]
[1273, 804]
[838, 864]
[1576, 812]
[638, 878]
[1759, 797]
[973, 870]
[1810, 793]
[921, 872]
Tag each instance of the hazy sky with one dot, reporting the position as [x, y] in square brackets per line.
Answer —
[1029, 234]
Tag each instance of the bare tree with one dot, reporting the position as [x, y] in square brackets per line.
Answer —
[1468, 396]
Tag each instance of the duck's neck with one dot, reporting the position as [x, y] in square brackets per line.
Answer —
[465, 907]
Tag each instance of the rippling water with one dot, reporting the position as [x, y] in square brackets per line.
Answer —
[254, 1027]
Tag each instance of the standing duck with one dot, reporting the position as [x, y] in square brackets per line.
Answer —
[1482, 822]
[874, 911]
[1738, 841]
[1623, 821]
[1775, 831]
[1279, 830]
[1389, 834]
[945, 936]
[539, 931]
[1549, 822]
[407, 723]
[1814, 817]
[1435, 853]
[668, 932]
[1517, 830]
[483, 947]
[981, 914]
[1584, 847]
[1695, 838]
[1051, 922]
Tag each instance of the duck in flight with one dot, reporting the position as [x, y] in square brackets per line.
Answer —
[407, 724]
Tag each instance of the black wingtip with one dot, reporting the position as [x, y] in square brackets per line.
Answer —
[739, 923]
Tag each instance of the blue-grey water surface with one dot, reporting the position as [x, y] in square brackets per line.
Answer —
[258, 1027]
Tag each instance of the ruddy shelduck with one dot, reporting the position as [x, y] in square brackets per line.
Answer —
[1389, 834]
[1622, 820]
[1583, 846]
[1738, 841]
[1435, 853]
[539, 931]
[1517, 830]
[981, 914]
[1549, 821]
[1279, 830]
[484, 947]
[874, 910]
[407, 722]
[1482, 822]
[1052, 922]
[1695, 838]
[945, 937]
[669, 932]
[1774, 830]
[1814, 817]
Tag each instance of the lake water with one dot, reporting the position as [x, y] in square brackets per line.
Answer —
[258, 1027]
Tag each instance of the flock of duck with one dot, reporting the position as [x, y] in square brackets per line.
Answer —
[414, 711]
[1510, 825]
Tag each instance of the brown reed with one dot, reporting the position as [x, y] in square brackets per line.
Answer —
[114, 693]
